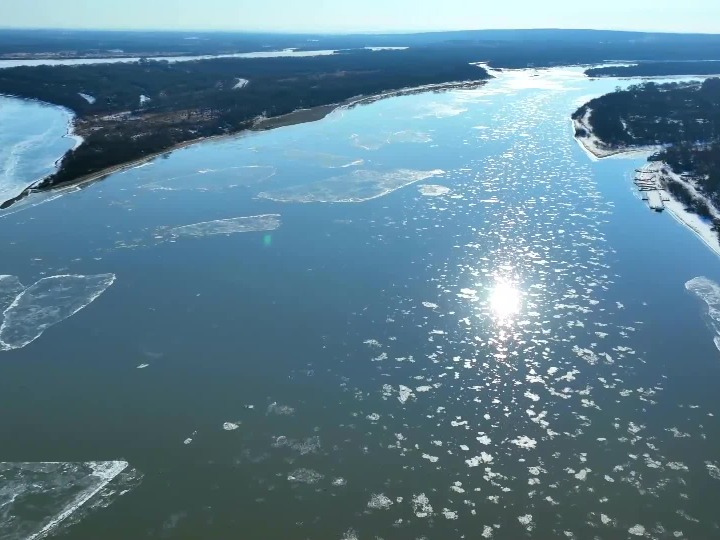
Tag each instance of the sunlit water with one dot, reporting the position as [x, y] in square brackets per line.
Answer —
[490, 338]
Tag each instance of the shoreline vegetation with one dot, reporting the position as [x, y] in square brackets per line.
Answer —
[702, 68]
[683, 163]
[299, 116]
[127, 114]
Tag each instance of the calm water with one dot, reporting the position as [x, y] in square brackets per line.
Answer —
[504, 348]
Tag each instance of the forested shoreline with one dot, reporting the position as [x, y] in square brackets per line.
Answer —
[682, 119]
[128, 111]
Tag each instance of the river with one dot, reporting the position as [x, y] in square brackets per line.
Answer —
[430, 316]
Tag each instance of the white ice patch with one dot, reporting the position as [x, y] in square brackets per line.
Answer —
[431, 190]
[241, 83]
[709, 292]
[526, 520]
[45, 303]
[524, 442]
[10, 288]
[441, 110]
[421, 505]
[37, 499]
[713, 470]
[378, 501]
[637, 530]
[358, 186]
[404, 393]
[87, 97]
[484, 457]
[230, 426]
[305, 476]
[264, 222]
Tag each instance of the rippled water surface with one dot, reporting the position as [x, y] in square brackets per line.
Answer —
[429, 317]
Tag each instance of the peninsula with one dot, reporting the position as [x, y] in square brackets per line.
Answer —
[129, 112]
[678, 124]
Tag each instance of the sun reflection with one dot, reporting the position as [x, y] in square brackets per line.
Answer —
[505, 300]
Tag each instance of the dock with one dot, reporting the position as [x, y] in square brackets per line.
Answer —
[655, 202]
[648, 182]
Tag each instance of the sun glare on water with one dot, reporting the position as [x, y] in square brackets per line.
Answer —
[505, 300]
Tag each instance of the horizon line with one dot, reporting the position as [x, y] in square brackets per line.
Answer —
[398, 32]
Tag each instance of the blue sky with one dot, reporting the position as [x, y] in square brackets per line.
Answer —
[364, 15]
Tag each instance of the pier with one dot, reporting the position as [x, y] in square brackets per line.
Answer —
[648, 182]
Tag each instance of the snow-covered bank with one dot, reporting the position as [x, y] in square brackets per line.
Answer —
[694, 222]
[596, 148]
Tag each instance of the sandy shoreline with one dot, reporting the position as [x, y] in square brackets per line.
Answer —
[299, 116]
[596, 150]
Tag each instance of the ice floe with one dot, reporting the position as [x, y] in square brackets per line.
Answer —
[358, 186]
[47, 302]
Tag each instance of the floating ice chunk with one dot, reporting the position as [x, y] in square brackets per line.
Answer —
[582, 475]
[378, 501]
[223, 179]
[449, 514]
[713, 470]
[264, 222]
[87, 97]
[431, 190]
[10, 288]
[305, 476]
[404, 393]
[36, 499]
[188, 440]
[525, 520]
[484, 457]
[524, 442]
[47, 302]
[409, 137]
[441, 110]
[280, 410]
[230, 426]
[350, 534]
[421, 505]
[637, 530]
[431, 459]
[430, 305]
[484, 439]
[241, 83]
[339, 482]
[143, 366]
[487, 532]
[144, 99]
[358, 186]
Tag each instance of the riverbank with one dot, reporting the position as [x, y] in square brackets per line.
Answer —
[702, 228]
[597, 150]
[297, 117]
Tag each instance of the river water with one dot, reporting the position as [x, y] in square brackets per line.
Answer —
[429, 317]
